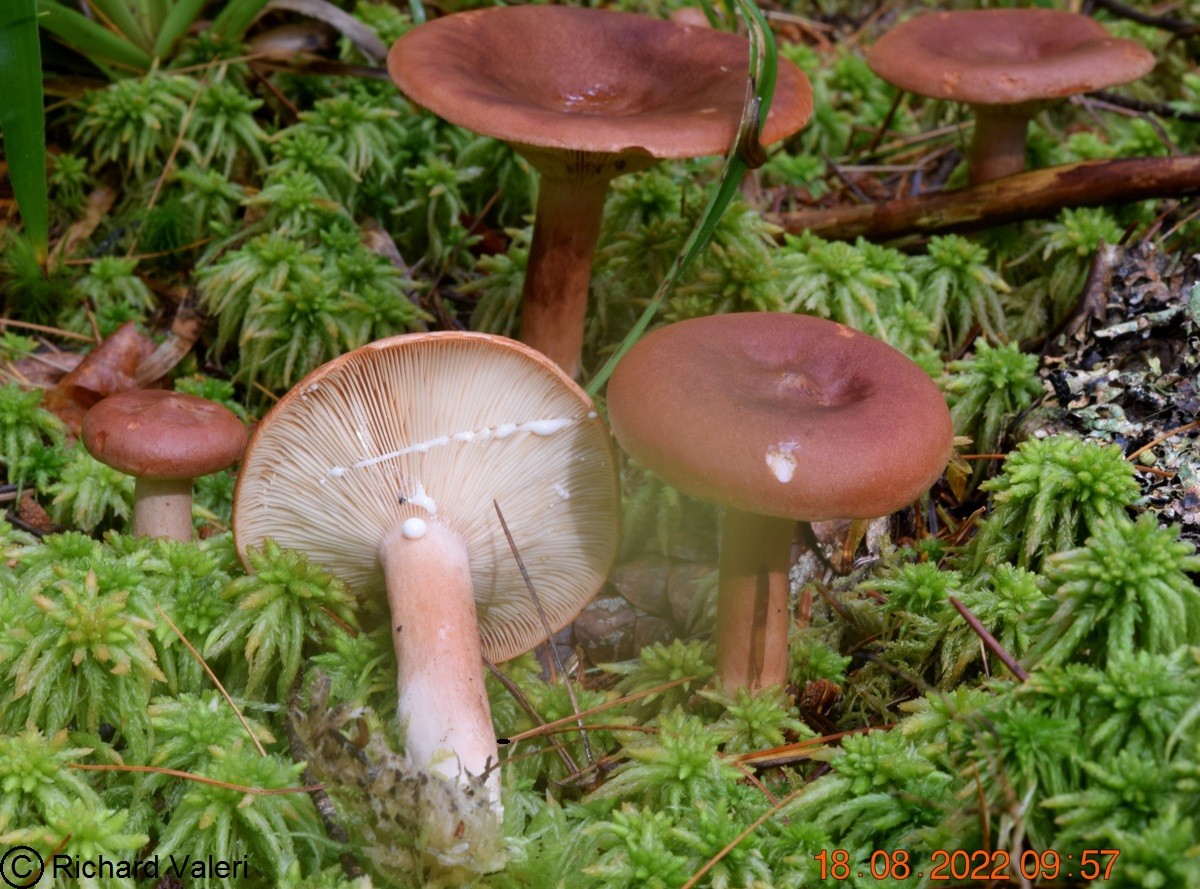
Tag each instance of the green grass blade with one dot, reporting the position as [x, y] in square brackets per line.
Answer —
[176, 24]
[155, 13]
[94, 41]
[23, 117]
[745, 152]
[232, 21]
[117, 13]
[416, 11]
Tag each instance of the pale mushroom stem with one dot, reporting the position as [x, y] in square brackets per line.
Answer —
[998, 146]
[439, 665]
[752, 601]
[565, 232]
[162, 508]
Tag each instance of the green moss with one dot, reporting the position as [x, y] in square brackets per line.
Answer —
[284, 602]
[1126, 590]
[1050, 496]
[25, 427]
[988, 388]
[81, 654]
[89, 494]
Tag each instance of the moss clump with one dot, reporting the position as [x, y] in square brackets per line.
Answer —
[1050, 496]
[1127, 589]
[987, 388]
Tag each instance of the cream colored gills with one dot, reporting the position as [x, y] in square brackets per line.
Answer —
[383, 466]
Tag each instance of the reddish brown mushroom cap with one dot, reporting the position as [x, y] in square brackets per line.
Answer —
[1005, 56]
[159, 434]
[781, 415]
[590, 80]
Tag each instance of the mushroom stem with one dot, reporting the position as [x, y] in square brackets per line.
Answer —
[439, 667]
[565, 231]
[752, 601]
[998, 146]
[162, 508]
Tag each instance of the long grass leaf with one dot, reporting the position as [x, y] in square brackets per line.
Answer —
[232, 21]
[176, 24]
[23, 117]
[763, 65]
[94, 41]
[155, 13]
[123, 21]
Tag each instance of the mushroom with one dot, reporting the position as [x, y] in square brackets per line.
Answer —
[584, 95]
[384, 466]
[1006, 64]
[779, 418]
[166, 440]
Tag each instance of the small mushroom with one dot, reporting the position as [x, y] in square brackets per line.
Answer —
[166, 440]
[1006, 64]
[384, 466]
[780, 418]
[584, 95]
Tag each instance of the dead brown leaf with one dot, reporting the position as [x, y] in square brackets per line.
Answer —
[109, 368]
[99, 202]
[41, 370]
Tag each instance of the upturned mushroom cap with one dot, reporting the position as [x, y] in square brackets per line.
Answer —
[590, 80]
[781, 415]
[159, 434]
[435, 426]
[1005, 56]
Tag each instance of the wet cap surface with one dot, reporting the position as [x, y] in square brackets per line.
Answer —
[783, 415]
[590, 80]
[1005, 56]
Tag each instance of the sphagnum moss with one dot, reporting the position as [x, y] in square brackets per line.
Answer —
[988, 388]
[286, 601]
[81, 656]
[1049, 497]
[1126, 590]
[960, 290]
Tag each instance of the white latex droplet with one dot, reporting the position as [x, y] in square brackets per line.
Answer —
[782, 460]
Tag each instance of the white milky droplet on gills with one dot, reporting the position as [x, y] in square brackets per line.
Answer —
[423, 500]
[782, 460]
[500, 433]
[414, 529]
[547, 427]
[561, 491]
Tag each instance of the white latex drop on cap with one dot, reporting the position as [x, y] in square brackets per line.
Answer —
[782, 460]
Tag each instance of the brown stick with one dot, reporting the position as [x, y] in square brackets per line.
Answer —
[990, 642]
[1032, 195]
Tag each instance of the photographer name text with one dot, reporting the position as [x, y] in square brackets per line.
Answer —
[152, 868]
